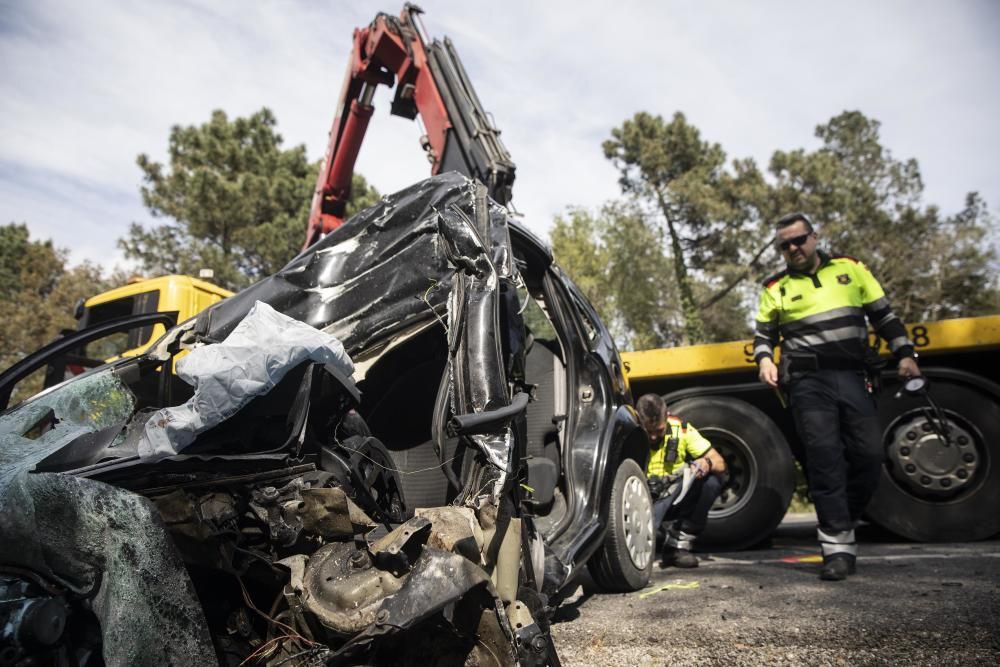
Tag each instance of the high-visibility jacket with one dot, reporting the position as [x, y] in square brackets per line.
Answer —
[823, 313]
[690, 444]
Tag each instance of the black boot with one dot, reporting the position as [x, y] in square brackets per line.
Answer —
[678, 558]
[837, 567]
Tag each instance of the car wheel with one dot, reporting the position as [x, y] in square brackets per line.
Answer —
[625, 561]
[761, 471]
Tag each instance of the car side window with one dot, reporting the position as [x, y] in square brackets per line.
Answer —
[535, 318]
[586, 317]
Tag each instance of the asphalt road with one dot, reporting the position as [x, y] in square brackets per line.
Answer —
[909, 604]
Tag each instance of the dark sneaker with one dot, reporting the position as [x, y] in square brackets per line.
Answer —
[678, 558]
[837, 567]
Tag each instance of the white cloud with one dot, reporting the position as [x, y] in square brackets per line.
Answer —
[86, 86]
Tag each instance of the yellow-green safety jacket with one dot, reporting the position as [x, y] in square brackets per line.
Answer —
[690, 443]
[824, 314]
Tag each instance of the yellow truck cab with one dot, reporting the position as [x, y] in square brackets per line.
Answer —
[184, 295]
[122, 322]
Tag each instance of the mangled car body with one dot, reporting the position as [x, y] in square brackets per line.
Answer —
[399, 449]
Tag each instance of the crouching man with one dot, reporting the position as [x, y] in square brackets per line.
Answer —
[674, 444]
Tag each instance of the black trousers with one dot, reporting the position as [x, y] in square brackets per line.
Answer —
[837, 422]
[691, 513]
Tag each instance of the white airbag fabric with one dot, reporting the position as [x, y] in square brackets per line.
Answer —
[226, 376]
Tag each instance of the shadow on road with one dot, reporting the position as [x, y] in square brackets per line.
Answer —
[580, 591]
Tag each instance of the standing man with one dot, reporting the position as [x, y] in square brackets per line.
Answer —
[817, 306]
[674, 444]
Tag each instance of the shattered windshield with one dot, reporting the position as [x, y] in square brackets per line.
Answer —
[34, 430]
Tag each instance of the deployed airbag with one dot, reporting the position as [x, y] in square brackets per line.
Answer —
[226, 376]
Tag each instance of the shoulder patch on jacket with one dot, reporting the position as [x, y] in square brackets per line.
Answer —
[770, 280]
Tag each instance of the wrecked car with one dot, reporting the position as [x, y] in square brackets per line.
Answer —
[401, 448]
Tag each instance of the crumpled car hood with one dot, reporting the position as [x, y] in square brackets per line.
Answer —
[434, 251]
[390, 266]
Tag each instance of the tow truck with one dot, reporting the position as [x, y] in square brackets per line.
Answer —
[938, 484]
[183, 295]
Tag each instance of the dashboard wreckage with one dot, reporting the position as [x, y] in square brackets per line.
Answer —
[400, 449]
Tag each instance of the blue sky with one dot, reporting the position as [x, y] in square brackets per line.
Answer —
[85, 86]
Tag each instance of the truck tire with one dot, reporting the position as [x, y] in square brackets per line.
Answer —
[625, 561]
[932, 493]
[761, 476]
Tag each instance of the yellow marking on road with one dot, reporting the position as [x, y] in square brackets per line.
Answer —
[802, 559]
[872, 558]
[673, 586]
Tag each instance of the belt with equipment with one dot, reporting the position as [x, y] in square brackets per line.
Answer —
[811, 362]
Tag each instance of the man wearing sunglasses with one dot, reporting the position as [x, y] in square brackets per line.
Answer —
[817, 308]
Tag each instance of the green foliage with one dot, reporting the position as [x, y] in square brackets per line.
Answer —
[13, 246]
[575, 241]
[238, 201]
[616, 257]
[636, 268]
[699, 229]
[702, 208]
[868, 204]
[37, 296]
[613, 256]
[654, 158]
[535, 320]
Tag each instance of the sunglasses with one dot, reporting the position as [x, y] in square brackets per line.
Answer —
[797, 241]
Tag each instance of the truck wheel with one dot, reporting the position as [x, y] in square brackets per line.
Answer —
[759, 461]
[625, 561]
[930, 491]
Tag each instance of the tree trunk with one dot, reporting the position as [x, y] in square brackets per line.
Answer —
[694, 328]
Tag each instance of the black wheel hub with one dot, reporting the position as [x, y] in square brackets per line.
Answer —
[741, 467]
[928, 464]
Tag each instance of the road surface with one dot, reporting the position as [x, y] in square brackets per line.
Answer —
[909, 604]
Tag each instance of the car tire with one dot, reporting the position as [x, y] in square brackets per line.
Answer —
[929, 513]
[761, 470]
[625, 561]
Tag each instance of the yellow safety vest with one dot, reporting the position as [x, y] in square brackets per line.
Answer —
[824, 313]
[690, 443]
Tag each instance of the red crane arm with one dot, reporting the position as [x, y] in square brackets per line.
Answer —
[388, 51]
